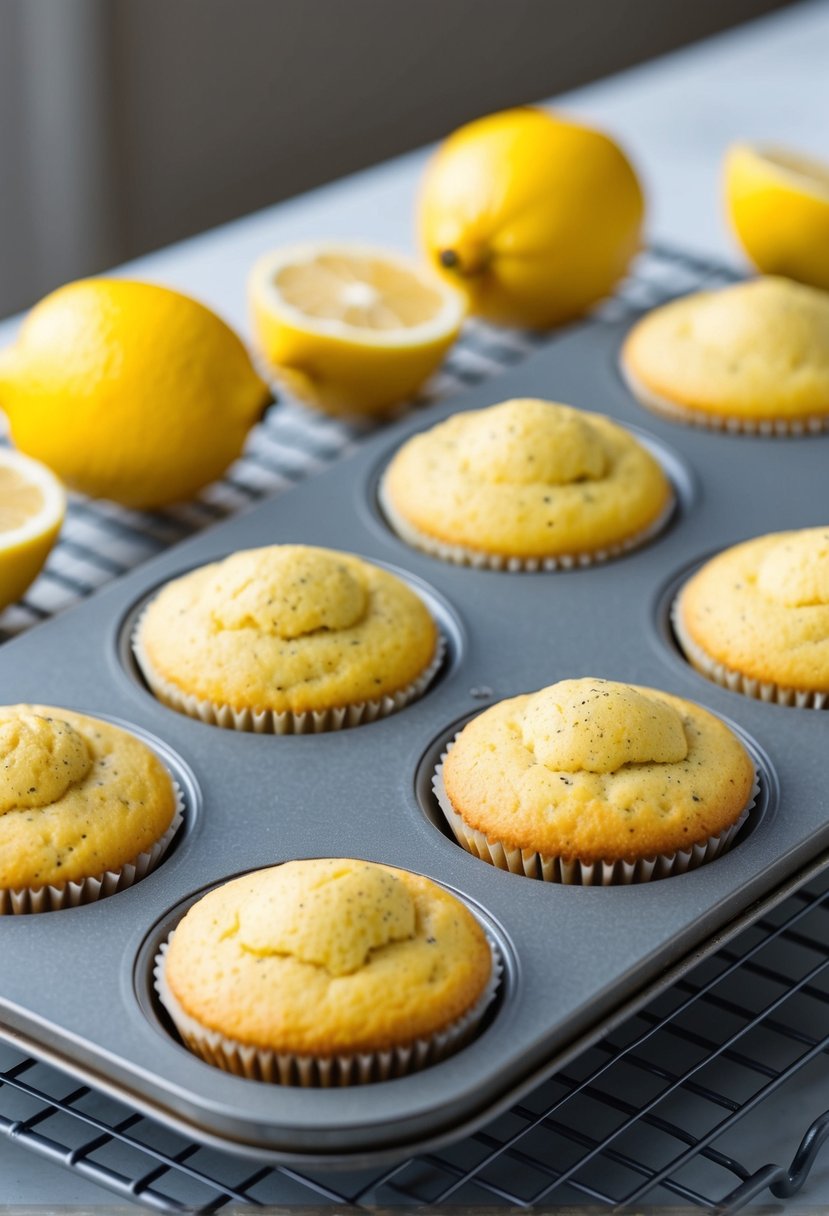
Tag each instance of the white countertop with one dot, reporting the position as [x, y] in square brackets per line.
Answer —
[767, 81]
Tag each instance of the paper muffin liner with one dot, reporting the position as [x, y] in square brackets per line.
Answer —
[275, 722]
[325, 1072]
[464, 555]
[533, 864]
[812, 424]
[736, 681]
[55, 896]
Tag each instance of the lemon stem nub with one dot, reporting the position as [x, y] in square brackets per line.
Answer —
[471, 260]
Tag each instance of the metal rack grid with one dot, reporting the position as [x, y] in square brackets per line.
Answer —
[645, 1116]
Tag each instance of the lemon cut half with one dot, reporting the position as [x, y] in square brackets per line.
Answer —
[352, 329]
[778, 205]
[32, 507]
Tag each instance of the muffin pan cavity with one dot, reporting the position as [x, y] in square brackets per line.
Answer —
[660, 621]
[733, 682]
[765, 802]
[448, 622]
[576, 956]
[676, 469]
[106, 882]
[505, 972]
[719, 359]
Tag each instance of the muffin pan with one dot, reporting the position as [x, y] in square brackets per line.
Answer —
[76, 985]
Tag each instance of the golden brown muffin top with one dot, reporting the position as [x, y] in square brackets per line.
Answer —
[328, 955]
[592, 770]
[78, 796]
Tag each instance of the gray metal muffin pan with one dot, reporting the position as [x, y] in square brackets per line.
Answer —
[75, 985]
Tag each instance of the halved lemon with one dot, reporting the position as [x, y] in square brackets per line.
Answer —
[352, 329]
[778, 204]
[32, 507]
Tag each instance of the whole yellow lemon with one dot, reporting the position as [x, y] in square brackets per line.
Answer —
[129, 391]
[778, 205]
[535, 217]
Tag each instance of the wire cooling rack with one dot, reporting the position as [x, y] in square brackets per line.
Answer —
[648, 1116]
[643, 1117]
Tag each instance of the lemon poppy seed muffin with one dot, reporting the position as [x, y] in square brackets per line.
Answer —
[751, 357]
[326, 971]
[755, 618]
[85, 808]
[525, 484]
[287, 638]
[590, 781]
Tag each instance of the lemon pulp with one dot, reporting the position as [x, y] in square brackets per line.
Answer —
[19, 499]
[32, 507]
[363, 292]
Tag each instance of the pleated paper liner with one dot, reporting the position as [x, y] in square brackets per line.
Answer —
[532, 864]
[811, 424]
[463, 555]
[288, 1068]
[735, 681]
[273, 722]
[56, 896]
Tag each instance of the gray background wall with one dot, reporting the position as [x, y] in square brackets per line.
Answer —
[127, 124]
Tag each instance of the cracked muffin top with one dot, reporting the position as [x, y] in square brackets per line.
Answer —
[755, 352]
[288, 628]
[525, 479]
[761, 609]
[328, 956]
[592, 770]
[78, 796]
